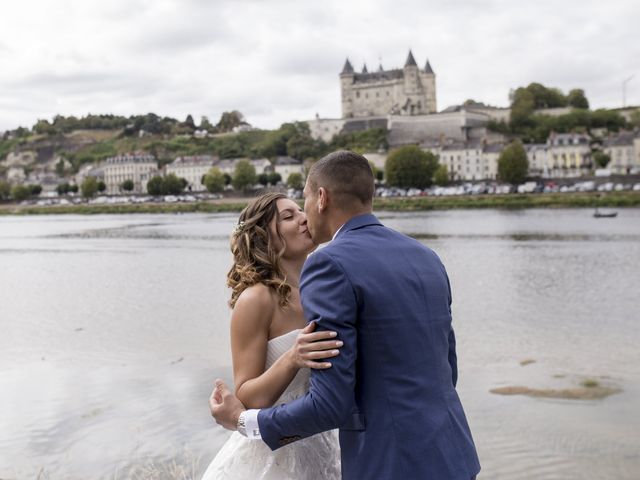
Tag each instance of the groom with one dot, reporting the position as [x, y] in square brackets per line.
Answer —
[391, 391]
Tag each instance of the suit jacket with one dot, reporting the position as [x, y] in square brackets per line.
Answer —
[391, 390]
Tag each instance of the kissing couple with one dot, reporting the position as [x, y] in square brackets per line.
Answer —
[344, 359]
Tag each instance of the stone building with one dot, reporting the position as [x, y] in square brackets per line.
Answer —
[403, 91]
[622, 148]
[285, 166]
[192, 169]
[568, 155]
[137, 167]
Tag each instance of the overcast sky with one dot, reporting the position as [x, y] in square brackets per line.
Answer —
[279, 60]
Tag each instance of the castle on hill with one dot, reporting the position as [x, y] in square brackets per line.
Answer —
[401, 91]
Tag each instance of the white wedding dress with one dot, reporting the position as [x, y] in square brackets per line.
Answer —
[316, 457]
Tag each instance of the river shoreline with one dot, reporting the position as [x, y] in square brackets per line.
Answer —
[397, 204]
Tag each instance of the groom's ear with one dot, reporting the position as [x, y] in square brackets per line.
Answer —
[323, 199]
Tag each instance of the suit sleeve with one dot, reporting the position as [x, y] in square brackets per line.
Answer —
[453, 358]
[328, 299]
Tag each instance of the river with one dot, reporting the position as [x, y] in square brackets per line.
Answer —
[114, 327]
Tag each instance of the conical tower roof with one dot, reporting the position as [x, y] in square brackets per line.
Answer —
[364, 68]
[428, 69]
[411, 62]
[347, 69]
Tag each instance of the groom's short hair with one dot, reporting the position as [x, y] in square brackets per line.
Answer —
[346, 175]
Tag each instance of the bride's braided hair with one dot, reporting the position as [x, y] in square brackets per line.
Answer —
[254, 258]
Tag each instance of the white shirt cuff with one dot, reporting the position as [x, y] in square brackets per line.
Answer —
[251, 424]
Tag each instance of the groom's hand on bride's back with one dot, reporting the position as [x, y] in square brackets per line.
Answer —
[225, 406]
[311, 347]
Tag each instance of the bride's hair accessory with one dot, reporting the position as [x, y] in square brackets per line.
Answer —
[237, 230]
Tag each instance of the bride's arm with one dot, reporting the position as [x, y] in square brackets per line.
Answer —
[250, 322]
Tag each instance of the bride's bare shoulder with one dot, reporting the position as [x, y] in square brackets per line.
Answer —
[254, 306]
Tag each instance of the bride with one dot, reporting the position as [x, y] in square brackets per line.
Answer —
[272, 347]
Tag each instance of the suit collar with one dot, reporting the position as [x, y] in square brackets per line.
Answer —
[358, 222]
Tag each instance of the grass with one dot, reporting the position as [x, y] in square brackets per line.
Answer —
[411, 204]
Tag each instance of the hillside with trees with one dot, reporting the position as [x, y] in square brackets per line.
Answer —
[531, 125]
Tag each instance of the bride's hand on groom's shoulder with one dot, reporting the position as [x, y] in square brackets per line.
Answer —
[310, 347]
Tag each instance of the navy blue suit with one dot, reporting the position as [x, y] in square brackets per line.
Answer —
[391, 391]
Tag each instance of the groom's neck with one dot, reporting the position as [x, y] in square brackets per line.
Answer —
[339, 217]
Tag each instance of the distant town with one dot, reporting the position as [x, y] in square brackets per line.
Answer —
[545, 141]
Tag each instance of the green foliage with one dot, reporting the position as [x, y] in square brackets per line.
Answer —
[73, 188]
[20, 192]
[601, 159]
[295, 181]
[365, 141]
[6, 146]
[172, 185]
[263, 179]
[230, 120]
[214, 180]
[101, 186]
[89, 187]
[244, 175]
[155, 186]
[409, 166]
[577, 99]
[5, 190]
[441, 177]
[35, 190]
[274, 178]
[127, 185]
[634, 119]
[513, 164]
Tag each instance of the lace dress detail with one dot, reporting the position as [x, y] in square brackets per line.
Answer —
[316, 457]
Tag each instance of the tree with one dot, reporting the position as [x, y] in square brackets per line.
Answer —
[410, 167]
[244, 175]
[441, 177]
[172, 185]
[295, 181]
[205, 124]
[101, 186]
[263, 179]
[513, 165]
[214, 180]
[73, 188]
[230, 120]
[60, 167]
[5, 190]
[577, 99]
[127, 185]
[35, 190]
[274, 178]
[601, 159]
[89, 187]
[155, 186]
[20, 192]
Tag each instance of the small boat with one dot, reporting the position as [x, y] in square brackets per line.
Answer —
[598, 214]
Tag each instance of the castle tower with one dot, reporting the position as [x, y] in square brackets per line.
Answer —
[409, 90]
[346, 82]
[428, 78]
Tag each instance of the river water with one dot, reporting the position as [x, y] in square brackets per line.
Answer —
[114, 327]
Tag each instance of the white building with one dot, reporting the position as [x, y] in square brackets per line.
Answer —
[568, 154]
[262, 165]
[137, 167]
[285, 166]
[464, 161]
[622, 149]
[192, 169]
[537, 158]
